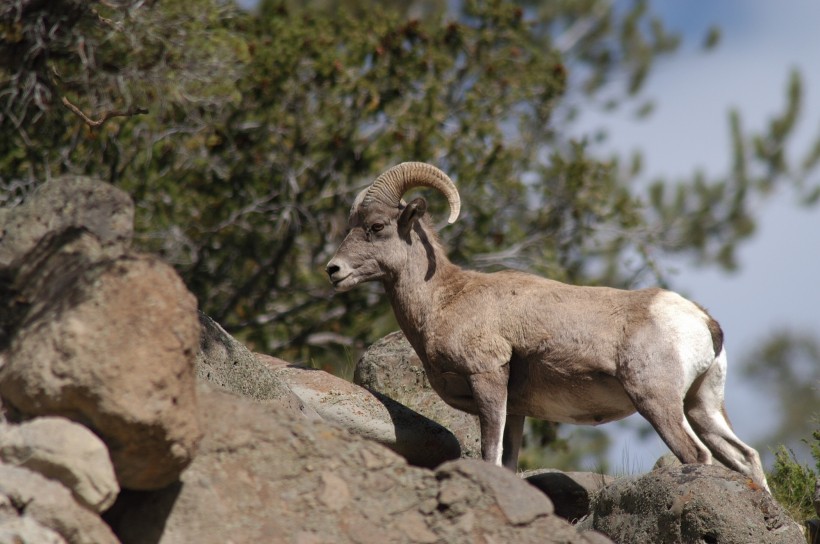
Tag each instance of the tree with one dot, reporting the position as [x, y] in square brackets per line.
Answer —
[786, 366]
[243, 137]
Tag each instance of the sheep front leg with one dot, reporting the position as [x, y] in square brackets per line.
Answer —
[490, 395]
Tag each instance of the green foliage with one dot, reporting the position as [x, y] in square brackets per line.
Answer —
[793, 484]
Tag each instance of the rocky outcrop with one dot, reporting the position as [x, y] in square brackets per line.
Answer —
[97, 334]
[691, 503]
[65, 451]
[392, 368]
[263, 476]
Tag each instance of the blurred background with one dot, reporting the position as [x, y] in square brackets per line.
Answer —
[621, 143]
[769, 303]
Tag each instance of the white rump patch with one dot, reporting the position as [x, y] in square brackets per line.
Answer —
[684, 328]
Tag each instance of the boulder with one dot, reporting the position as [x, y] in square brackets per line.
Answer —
[34, 507]
[55, 214]
[391, 367]
[570, 492]
[691, 504]
[65, 204]
[224, 361]
[420, 440]
[65, 451]
[262, 475]
[96, 334]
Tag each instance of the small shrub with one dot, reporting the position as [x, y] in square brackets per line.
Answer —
[793, 484]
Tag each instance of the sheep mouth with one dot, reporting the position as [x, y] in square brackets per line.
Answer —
[339, 284]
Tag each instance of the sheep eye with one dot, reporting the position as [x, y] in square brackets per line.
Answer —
[376, 227]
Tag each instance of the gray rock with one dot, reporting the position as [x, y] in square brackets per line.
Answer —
[38, 501]
[570, 492]
[421, 441]
[262, 475]
[224, 361]
[392, 368]
[65, 451]
[691, 504]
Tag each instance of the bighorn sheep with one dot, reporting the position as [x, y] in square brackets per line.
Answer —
[506, 345]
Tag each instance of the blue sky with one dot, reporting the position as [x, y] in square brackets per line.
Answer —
[778, 283]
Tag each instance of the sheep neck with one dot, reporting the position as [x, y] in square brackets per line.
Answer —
[414, 290]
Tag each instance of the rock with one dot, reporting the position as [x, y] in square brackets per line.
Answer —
[95, 334]
[262, 474]
[39, 507]
[392, 368]
[518, 504]
[111, 345]
[224, 361]
[66, 204]
[59, 212]
[570, 492]
[17, 530]
[421, 441]
[691, 503]
[669, 459]
[65, 451]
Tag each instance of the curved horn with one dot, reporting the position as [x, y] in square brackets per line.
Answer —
[392, 184]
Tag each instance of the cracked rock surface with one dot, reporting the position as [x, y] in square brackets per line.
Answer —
[262, 475]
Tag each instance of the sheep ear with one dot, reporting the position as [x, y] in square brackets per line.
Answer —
[412, 213]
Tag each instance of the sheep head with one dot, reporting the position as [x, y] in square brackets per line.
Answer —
[382, 224]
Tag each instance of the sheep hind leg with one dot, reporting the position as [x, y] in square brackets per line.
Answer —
[662, 407]
[706, 411]
[513, 434]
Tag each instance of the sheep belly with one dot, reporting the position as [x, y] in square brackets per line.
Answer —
[589, 400]
[596, 398]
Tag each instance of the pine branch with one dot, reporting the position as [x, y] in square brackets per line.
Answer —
[130, 112]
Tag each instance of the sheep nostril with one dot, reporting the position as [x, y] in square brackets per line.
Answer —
[332, 269]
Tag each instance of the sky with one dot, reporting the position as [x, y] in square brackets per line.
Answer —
[778, 281]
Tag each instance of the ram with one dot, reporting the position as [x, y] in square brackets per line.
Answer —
[508, 344]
